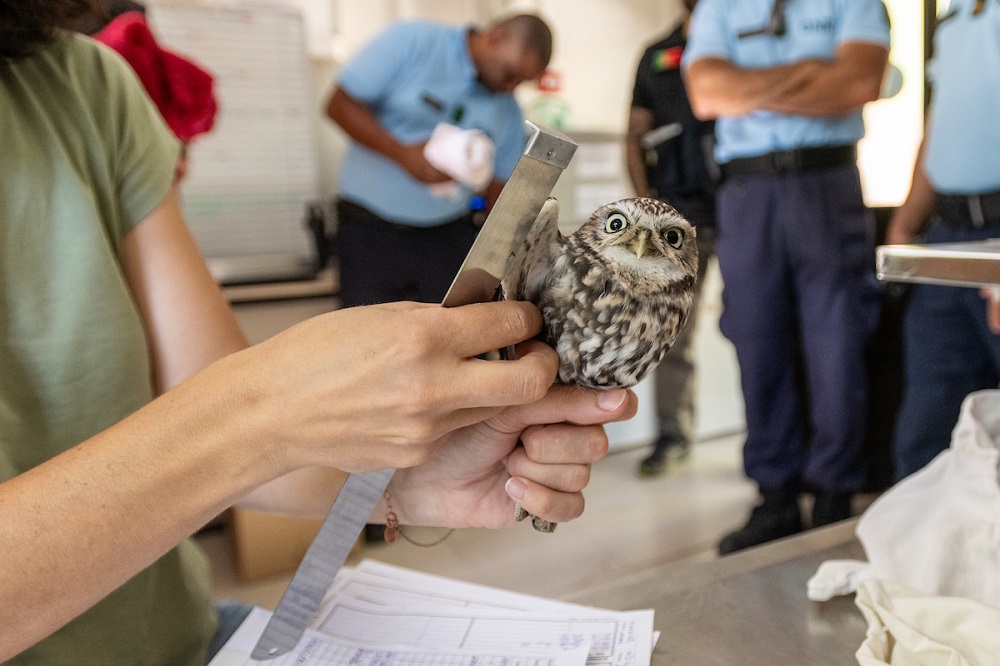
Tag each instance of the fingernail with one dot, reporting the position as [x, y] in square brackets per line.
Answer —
[609, 401]
[515, 488]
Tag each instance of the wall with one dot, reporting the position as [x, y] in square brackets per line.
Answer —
[598, 43]
[597, 46]
[596, 49]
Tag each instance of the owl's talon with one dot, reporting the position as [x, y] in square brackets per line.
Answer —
[542, 525]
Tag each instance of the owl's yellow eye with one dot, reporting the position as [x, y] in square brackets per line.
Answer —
[674, 237]
[615, 223]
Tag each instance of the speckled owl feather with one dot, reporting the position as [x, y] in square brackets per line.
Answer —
[615, 293]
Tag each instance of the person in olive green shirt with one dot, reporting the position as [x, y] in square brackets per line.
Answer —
[132, 411]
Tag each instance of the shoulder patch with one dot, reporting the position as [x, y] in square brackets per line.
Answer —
[668, 58]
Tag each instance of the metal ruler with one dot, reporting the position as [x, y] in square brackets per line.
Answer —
[545, 156]
[971, 264]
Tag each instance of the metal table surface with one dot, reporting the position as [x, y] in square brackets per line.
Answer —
[749, 608]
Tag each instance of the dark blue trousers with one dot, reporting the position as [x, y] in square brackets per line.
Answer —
[796, 253]
[383, 262]
[949, 352]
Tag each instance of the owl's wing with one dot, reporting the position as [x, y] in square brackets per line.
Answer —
[531, 265]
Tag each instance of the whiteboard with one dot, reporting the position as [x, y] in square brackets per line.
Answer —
[250, 179]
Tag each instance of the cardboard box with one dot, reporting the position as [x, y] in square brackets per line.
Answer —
[266, 544]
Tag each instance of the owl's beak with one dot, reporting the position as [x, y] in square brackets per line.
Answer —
[639, 244]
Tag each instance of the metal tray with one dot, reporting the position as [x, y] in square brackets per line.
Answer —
[975, 264]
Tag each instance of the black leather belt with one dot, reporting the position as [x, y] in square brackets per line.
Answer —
[970, 211]
[791, 161]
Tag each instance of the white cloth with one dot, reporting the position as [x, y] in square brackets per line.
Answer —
[937, 531]
[464, 154]
[835, 578]
[907, 628]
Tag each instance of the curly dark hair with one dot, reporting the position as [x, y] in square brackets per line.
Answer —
[27, 25]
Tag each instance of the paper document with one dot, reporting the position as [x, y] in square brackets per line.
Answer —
[431, 610]
[387, 615]
[316, 648]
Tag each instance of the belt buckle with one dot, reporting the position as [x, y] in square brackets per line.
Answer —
[975, 204]
[785, 160]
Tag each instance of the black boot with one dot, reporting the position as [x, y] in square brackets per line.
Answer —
[777, 516]
[667, 451]
[830, 508]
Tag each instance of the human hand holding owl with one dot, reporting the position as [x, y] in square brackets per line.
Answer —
[613, 295]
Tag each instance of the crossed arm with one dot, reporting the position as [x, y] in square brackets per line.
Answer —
[359, 389]
[819, 88]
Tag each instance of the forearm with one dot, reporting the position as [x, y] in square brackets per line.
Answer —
[717, 87]
[306, 493]
[81, 524]
[359, 123]
[357, 389]
[816, 88]
[838, 87]
[911, 217]
[639, 123]
[363, 127]
[919, 204]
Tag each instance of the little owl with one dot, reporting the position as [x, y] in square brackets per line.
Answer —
[614, 294]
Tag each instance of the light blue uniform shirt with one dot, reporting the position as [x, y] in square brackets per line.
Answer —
[962, 152]
[413, 76]
[815, 29]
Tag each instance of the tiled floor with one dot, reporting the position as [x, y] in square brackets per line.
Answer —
[629, 523]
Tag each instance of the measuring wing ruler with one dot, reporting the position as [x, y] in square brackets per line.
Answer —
[545, 156]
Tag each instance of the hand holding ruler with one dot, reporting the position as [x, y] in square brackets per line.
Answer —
[545, 156]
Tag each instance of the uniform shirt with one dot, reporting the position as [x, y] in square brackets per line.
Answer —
[413, 76]
[962, 154]
[815, 29]
[680, 162]
[85, 156]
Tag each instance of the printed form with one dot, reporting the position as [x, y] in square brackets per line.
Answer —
[381, 615]
[321, 650]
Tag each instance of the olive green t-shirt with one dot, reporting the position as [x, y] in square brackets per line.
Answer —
[84, 157]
